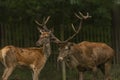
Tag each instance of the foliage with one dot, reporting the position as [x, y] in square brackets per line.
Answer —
[23, 13]
[51, 72]
[60, 10]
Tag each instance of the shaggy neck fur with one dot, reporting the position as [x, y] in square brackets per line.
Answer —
[47, 49]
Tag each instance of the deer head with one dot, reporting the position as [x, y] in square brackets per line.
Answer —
[65, 51]
[46, 34]
[44, 38]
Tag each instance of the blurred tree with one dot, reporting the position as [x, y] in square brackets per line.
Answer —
[60, 10]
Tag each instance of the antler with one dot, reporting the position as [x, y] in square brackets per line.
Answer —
[43, 25]
[81, 17]
[43, 28]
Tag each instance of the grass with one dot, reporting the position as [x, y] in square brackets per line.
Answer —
[52, 72]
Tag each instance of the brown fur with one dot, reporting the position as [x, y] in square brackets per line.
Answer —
[89, 56]
[13, 56]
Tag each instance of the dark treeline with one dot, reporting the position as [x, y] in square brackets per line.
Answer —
[61, 11]
[20, 15]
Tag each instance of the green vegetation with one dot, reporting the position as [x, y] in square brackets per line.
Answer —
[19, 16]
[53, 72]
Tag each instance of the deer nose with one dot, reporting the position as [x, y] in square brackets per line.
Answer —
[60, 59]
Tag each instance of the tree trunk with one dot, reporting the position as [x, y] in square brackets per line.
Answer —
[116, 30]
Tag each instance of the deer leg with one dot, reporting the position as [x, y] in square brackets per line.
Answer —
[107, 70]
[36, 73]
[102, 68]
[4, 73]
[36, 70]
[94, 73]
[80, 75]
[7, 73]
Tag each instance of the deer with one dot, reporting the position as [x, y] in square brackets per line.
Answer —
[32, 57]
[85, 56]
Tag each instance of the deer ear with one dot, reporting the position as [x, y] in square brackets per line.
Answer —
[70, 45]
[61, 44]
[52, 29]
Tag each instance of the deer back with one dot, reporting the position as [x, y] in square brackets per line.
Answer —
[22, 56]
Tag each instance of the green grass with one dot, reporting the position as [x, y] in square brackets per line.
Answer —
[53, 72]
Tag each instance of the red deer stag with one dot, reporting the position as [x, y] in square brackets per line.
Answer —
[33, 57]
[86, 55]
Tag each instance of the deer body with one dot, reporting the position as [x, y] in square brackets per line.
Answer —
[92, 53]
[85, 55]
[23, 56]
[88, 56]
[34, 58]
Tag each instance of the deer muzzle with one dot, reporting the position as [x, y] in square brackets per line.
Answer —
[60, 59]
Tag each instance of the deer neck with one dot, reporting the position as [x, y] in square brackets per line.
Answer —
[47, 49]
